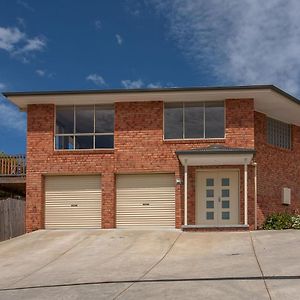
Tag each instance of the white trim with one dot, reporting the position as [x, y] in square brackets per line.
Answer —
[266, 100]
[255, 195]
[185, 193]
[74, 134]
[215, 159]
[245, 194]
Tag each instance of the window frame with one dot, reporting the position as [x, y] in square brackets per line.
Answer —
[74, 134]
[282, 143]
[204, 125]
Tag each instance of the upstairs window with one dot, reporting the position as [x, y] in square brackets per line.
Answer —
[279, 133]
[194, 120]
[84, 127]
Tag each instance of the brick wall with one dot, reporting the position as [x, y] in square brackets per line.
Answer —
[277, 168]
[139, 148]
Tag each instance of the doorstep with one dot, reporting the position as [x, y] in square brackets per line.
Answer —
[215, 228]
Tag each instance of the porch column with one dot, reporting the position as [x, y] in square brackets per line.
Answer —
[185, 191]
[245, 194]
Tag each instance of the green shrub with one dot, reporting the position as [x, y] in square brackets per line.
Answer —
[296, 221]
[279, 221]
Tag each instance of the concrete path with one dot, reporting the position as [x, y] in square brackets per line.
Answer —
[133, 264]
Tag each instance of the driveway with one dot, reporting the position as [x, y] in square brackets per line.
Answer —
[133, 264]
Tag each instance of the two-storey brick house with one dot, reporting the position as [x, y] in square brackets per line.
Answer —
[192, 158]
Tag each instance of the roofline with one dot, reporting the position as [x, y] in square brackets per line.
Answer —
[156, 90]
[203, 152]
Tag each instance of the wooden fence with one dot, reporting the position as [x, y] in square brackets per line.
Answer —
[12, 218]
[12, 165]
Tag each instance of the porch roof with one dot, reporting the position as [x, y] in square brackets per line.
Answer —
[215, 155]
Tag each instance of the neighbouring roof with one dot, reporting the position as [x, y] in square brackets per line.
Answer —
[268, 99]
[216, 149]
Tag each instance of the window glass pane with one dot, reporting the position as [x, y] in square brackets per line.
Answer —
[104, 119]
[173, 121]
[278, 133]
[84, 119]
[64, 119]
[209, 193]
[226, 215]
[64, 142]
[209, 182]
[225, 204]
[210, 215]
[210, 204]
[104, 141]
[214, 120]
[84, 142]
[225, 193]
[193, 118]
[225, 181]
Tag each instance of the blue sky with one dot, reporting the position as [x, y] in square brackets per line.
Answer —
[62, 45]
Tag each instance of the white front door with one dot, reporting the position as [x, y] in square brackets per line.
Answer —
[217, 197]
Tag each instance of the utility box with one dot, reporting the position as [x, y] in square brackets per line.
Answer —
[286, 196]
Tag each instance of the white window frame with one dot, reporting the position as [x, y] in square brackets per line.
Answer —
[204, 125]
[74, 134]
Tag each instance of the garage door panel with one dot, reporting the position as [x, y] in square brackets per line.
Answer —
[72, 202]
[145, 201]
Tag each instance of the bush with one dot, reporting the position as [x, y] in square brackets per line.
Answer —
[279, 221]
[296, 221]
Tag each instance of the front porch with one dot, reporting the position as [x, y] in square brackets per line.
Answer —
[218, 190]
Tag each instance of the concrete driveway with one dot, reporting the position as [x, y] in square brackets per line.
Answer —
[121, 264]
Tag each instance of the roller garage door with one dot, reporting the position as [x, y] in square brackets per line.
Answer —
[146, 201]
[72, 202]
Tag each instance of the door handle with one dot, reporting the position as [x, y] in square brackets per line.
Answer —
[74, 205]
[145, 204]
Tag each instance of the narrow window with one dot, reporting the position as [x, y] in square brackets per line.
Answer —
[173, 121]
[65, 119]
[279, 134]
[193, 117]
[84, 119]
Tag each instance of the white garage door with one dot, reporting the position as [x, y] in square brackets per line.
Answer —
[146, 201]
[72, 202]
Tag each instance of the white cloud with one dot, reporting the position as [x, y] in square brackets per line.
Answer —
[41, 73]
[44, 73]
[132, 84]
[11, 117]
[9, 37]
[240, 42]
[25, 5]
[18, 44]
[2, 86]
[98, 24]
[35, 44]
[119, 39]
[21, 21]
[96, 79]
[154, 85]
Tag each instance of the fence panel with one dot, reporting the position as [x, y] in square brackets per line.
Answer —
[12, 218]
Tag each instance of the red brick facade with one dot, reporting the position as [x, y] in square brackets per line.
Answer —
[277, 168]
[140, 148]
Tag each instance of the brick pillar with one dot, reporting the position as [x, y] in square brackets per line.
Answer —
[108, 200]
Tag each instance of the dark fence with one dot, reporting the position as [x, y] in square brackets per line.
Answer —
[12, 218]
